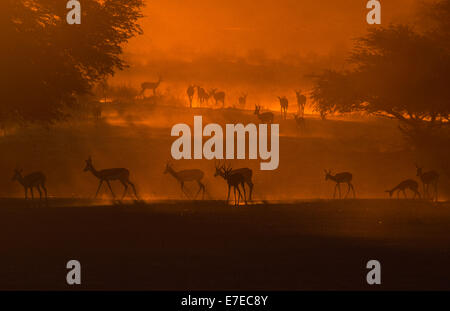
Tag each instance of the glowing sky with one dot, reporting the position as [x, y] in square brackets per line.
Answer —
[282, 27]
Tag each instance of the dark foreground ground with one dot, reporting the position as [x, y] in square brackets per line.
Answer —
[312, 245]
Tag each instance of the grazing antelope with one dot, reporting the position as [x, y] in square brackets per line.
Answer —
[36, 179]
[284, 103]
[243, 100]
[301, 103]
[234, 179]
[428, 178]
[218, 97]
[406, 184]
[107, 175]
[202, 95]
[190, 93]
[151, 86]
[246, 173]
[341, 178]
[300, 122]
[266, 117]
[186, 176]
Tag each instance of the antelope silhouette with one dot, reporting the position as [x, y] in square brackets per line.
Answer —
[284, 103]
[35, 179]
[107, 175]
[202, 95]
[300, 122]
[187, 176]
[430, 178]
[234, 179]
[245, 172]
[151, 86]
[339, 178]
[265, 117]
[190, 93]
[243, 100]
[218, 97]
[406, 184]
[301, 103]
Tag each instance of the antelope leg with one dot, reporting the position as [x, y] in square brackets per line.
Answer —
[98, 189]
[112, 192]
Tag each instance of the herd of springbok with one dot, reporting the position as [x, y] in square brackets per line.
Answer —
[235, 178]
[203, 97]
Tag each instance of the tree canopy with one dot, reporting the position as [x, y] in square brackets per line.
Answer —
[397, 71]
[46, 62]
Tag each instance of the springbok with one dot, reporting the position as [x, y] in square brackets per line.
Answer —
[187, 176]
[245, 172]
[36, 179]
[406, 184]
[151, 86]
[190, 93]
[300, 122]
[234, 179]
[428, 178]
[339, 178]
[202, 95]
[266, 117]
[107, 175]
[243, 100]
[218, 97]
[301, 103]
[284, 103]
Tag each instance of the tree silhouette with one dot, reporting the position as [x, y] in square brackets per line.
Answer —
[46, 62]
[396, 72]
[403, 73]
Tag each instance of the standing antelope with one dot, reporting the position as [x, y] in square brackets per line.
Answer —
[151, 86]
[218, 97]
[266, 117]
[428, 178]
[107, 175]
[406, 184]
[243, 100]
[301, 103]
[284, 103]
[234, 179]
[36, 179]
[186, 176]
[190, 93]
[341, 178]
[202, 95]
[246, 173]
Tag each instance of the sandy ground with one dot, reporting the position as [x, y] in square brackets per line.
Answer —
[179, 245]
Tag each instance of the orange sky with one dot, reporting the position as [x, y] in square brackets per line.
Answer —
[179, 28]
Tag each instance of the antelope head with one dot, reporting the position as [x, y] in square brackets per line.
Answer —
[219, 169]
[419, 170]
[227, 170]
[327, 174]
[88, 164]
[168, 167]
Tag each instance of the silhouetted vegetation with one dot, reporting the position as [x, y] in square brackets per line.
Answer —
[46, 62]
[401, 72]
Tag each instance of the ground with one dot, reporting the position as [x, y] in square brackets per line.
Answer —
[181, 245]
